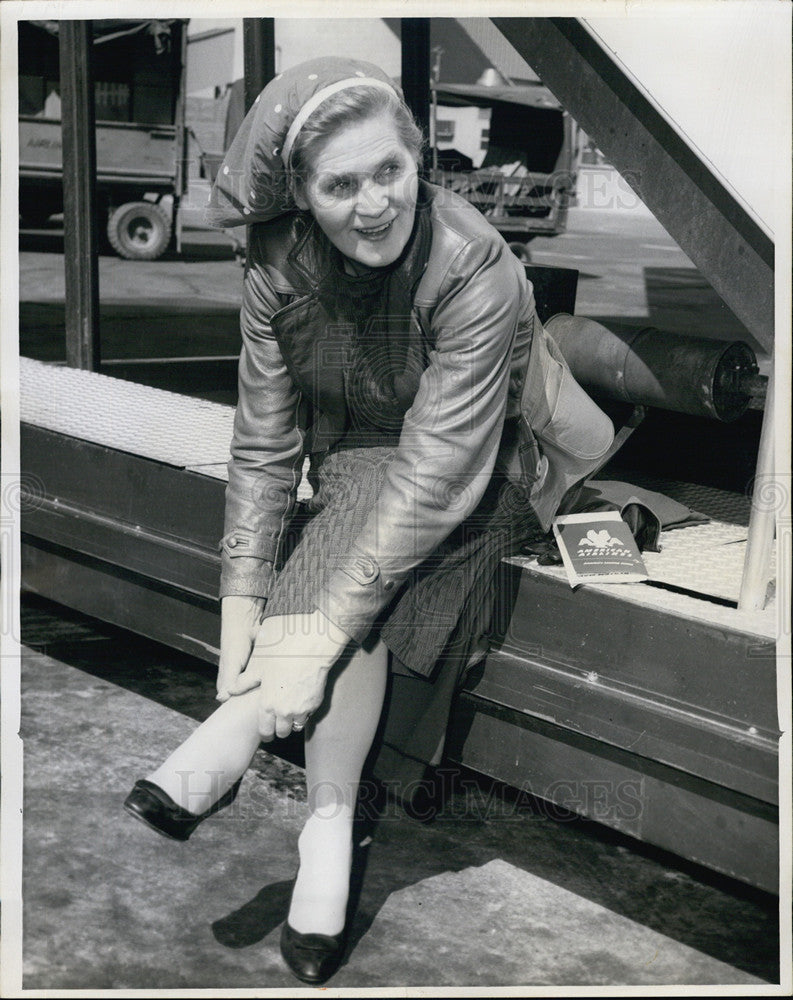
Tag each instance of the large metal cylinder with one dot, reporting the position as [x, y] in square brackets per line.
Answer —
[710, 378]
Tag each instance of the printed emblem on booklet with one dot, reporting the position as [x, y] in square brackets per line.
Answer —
[598, 548]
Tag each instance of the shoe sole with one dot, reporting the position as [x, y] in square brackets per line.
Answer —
[133, 811]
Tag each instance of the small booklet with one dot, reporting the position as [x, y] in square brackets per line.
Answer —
[598, 548]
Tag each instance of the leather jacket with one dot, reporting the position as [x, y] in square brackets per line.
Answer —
[488, 362]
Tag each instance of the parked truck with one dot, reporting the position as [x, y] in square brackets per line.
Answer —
[509, 149]
[140, 130]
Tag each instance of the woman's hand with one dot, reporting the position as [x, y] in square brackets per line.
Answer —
[240, 618]
[290, 662]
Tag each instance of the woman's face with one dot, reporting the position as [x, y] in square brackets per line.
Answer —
[362, 191]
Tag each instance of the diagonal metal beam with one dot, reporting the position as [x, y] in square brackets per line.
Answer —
[720, 236]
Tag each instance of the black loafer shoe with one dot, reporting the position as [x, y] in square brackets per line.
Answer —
[148, 803]
[313, 958]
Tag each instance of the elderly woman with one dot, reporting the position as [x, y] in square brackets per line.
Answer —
[390, 335]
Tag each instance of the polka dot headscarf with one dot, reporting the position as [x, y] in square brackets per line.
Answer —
[251, 185]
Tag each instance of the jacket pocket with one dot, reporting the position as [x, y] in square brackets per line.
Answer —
[577, 425]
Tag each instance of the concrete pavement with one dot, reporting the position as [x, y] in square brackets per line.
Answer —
[493, 893]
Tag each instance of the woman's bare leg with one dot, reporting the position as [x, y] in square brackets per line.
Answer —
[214, 756]
[338, 739]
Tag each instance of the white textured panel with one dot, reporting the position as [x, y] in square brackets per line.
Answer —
[164, 426]
[706, 559]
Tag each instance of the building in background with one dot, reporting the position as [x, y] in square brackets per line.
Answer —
[466, 47]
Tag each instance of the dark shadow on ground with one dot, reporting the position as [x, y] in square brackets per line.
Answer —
[480, 820]
[684, 448]
[257, 918]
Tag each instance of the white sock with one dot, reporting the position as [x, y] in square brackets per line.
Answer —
[319, 899]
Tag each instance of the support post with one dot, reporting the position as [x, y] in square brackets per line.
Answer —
[80, 241]
[754, 582]
[258, 36]
[416, 68]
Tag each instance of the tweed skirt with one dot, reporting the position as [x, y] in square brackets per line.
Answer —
[447, 602]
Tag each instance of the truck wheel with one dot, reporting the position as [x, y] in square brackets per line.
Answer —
[521, 251]
[139, 230]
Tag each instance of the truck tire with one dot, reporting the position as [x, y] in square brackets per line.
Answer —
[521, 251]
[32, 217]
[139, 230]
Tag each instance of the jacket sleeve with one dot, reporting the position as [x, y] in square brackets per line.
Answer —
[449, 439]
[266, 449]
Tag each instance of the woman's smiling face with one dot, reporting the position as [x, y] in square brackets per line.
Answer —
[362, 191]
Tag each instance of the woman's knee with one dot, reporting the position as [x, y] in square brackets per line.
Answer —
[373, 658]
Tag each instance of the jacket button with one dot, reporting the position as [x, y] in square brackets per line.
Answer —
[388, 585]
[363, 570]
[232, 543]
[366, 568]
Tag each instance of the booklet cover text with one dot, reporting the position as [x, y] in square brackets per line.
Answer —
[598, 548]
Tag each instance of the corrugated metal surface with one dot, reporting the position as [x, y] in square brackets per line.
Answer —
[181, 431]
[138, 419]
